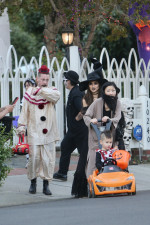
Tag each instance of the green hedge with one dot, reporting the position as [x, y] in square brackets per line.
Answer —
[5, 153]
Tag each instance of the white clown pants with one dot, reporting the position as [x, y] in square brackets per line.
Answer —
[41, 161]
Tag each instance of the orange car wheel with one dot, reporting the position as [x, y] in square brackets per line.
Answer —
[89, 192]
[93, 192]
[133, 193]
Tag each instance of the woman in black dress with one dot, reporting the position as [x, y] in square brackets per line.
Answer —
[92, 86]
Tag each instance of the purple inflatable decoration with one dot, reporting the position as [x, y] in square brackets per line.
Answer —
[142, 32]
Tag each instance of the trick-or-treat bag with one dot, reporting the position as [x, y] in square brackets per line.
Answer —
[122, 157]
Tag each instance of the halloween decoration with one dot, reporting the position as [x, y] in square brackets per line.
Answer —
[122, 157]
[128, 110]
[142, 31]
[21, 148]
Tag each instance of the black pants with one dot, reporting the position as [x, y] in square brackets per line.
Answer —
[68, 145]
[121, 145]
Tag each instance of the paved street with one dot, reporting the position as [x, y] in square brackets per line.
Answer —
[122, 210]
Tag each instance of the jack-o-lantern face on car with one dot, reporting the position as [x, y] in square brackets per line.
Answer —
[118, 155]
[122, 157]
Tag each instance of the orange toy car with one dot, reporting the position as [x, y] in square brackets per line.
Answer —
[21, 148]
[112, 179]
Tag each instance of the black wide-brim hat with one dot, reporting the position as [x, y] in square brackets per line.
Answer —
[96, 75]
[109, 83]
[72, 75]
[91, 77]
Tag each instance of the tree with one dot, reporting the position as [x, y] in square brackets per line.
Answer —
[79, 14]
[27, 33]
[29, 41]
[117, 49]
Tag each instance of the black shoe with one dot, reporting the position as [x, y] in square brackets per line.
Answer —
[60, 176]
[32, 189]
[46, 190]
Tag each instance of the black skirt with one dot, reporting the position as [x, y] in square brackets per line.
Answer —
[79, 186]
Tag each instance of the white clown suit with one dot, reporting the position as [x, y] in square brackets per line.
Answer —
[39, 116]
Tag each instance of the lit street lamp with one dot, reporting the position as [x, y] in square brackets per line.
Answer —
[67, 38]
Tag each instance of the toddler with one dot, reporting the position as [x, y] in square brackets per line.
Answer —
[106, 140]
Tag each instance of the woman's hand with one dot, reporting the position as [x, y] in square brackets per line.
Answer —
[9, 108]
[104, 119]
[79, 116]
[94, 121]
[6, 109]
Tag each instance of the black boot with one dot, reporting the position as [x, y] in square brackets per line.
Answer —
[32, 189]
[46, 190]
[60, 176]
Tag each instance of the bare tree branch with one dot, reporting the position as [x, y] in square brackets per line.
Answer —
[90, 38]
[54, 6]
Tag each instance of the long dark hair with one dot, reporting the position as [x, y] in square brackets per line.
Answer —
[88, 97]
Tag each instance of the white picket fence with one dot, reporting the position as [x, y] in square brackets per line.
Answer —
[12, 77]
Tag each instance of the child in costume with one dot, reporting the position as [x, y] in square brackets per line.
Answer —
[106, 140]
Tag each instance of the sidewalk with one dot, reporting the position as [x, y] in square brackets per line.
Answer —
[14, 191]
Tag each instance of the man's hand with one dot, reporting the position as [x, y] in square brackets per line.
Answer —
[35, 90]
[21, 133]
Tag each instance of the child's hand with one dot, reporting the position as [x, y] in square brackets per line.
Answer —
[105, 118]
[94, 121]
[116, 148]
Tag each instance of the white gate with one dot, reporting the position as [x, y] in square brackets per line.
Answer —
[14, 72]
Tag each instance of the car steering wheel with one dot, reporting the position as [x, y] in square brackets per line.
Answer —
[110, 161]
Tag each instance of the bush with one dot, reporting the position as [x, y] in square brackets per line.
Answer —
[5, 153]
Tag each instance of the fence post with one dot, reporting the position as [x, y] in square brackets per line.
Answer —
[75, 65]
[74, 59]
[145, 114]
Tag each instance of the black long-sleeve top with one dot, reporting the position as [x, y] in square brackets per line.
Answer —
[74, 105]
[99, 163]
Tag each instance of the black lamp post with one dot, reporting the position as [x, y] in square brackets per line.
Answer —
[67, 38]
